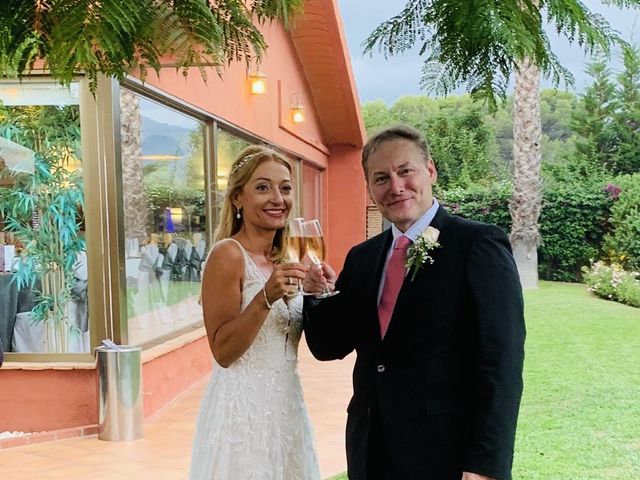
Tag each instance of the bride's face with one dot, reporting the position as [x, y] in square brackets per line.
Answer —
[267, 198]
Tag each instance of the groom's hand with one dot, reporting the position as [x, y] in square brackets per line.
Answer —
[474, 476]
[319, 276]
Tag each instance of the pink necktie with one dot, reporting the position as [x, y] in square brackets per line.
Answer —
[393, 281]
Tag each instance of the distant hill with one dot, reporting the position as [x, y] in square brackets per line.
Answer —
[164, 139]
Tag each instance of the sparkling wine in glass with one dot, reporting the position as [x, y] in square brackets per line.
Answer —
[295, 253]
[315, 248]
[295, 240]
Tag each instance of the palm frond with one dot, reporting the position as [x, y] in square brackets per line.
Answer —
[480, 43]
[116, 37]
[284, 10]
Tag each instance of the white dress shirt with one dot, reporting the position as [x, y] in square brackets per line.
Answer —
[412, 233]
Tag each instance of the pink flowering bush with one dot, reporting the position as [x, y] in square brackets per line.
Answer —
[613, 283]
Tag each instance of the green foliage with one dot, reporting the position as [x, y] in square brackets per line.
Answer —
[572, 225]
[116, 37]
[195, 165]
[160, 197]
[460, 137]
[461, 146]
[622, 243]
[471, 145]
[488, 204]
[555, 109]
[42, 127]
[479, 44]
[43, 208]
[629, 289]
[376, 115]
[613, 283]
[626, 119]
[595, 140]
[52, 195]
[163, 196]
[606, 120]
[572, 221]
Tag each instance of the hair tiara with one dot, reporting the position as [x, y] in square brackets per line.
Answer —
[241, 163]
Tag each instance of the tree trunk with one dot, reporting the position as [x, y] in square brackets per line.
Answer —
[527, 185]
[135, 203]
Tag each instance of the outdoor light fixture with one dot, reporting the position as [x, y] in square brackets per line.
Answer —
[257, 83]
[176, 214]
[296, 109]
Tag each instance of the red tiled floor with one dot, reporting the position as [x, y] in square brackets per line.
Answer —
[165, 450]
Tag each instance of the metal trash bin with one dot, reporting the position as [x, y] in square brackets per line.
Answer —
[120, 415]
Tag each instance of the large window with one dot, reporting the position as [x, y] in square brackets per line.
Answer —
[170, 196]
[165, 218]
[43, 267]
[228, 146]
[311, 191]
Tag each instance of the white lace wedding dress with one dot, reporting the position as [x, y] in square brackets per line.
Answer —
[253, 423]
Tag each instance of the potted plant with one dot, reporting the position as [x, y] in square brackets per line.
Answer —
[43, 210]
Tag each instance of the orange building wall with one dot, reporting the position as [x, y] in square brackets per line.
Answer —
[166, 376]
[346, 204]
[267, 115]
[54, 399]
[228, 97]
[42, 400]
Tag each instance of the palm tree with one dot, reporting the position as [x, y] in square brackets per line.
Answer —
[526, 200]
[117, 37]
[479, 44]
[135, 203]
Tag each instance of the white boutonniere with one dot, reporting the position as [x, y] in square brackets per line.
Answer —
[418, 253]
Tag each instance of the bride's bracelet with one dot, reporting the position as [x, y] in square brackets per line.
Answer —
[266, 300]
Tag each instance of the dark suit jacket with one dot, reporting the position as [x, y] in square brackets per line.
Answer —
[446, 381]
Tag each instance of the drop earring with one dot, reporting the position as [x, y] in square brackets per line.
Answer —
[239, 214]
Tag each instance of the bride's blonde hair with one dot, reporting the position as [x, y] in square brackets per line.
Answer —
[247, 161]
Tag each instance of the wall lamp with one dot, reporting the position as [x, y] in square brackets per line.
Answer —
[257, 83]
[296, 109]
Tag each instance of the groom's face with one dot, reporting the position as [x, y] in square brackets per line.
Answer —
[400, 181]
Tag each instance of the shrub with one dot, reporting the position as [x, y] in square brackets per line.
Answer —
[622, 243]
[612, 282]
[573, 221]
[485, 204]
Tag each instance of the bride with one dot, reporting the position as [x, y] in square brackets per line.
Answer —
[253, 423]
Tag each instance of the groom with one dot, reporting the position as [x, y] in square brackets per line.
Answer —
[438, 375]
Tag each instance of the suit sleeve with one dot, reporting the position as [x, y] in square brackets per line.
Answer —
[327, 323]
[496, 386]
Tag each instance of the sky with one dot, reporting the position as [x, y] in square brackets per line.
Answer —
[390, 79]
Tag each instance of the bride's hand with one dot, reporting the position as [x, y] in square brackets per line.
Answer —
[284, 280]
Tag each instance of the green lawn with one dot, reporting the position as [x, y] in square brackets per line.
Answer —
[151, 297]
[580, 415]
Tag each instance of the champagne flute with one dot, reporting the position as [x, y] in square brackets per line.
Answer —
[295, 253]
[295, 240]
[315, 249]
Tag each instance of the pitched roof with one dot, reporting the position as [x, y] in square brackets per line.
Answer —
[320, 43]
